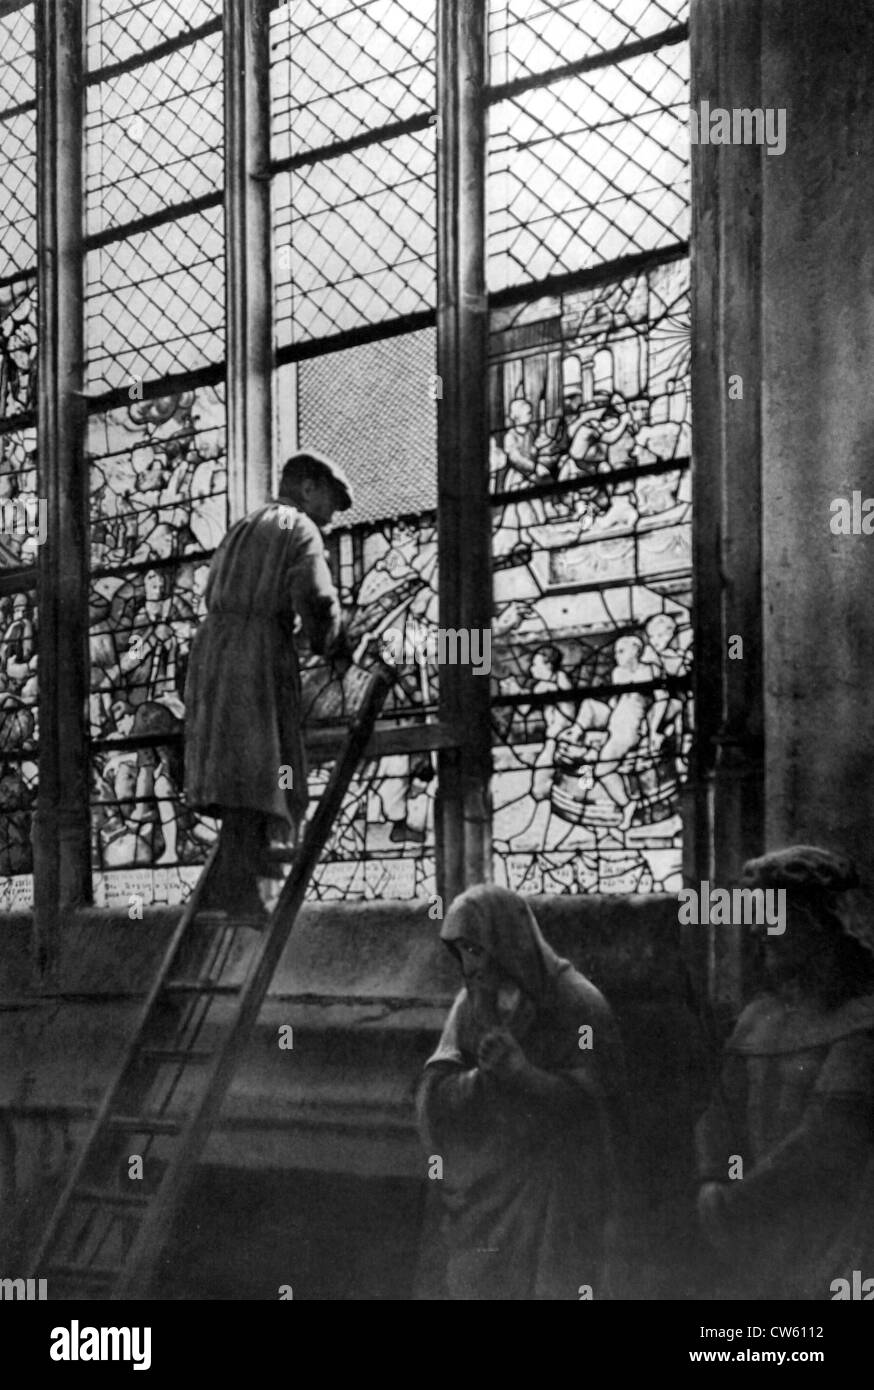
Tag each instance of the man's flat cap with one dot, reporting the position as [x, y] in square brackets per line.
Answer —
[303, 457]
[803, 868]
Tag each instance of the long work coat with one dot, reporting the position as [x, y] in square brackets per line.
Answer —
[242, 694]
[796, 1105]
[530, 1185]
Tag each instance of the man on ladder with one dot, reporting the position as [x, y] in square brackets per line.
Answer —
[244, 753]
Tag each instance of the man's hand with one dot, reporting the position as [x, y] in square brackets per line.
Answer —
[341, 653]
[501, 1056]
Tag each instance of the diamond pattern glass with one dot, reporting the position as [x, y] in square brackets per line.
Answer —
[536, 36]
[339, 69]
[154, 135]
[589, 169]
[354, 239]
[121, 29]
[18, 70]
[155, 302]
[17, 143]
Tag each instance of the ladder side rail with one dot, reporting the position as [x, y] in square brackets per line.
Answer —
[154, 1229]
[128, 1058]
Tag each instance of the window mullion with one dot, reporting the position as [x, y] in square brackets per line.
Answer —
[248, 294]
[61, 826]
[464, 521]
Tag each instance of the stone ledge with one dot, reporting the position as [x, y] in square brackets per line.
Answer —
[365, 987]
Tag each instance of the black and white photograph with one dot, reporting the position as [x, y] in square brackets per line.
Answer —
[436, 649]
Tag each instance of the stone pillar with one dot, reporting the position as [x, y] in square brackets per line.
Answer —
[818, 65]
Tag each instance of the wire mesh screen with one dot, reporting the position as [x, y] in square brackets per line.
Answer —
[535, 36]
[586, 170]
[338, 69]
[374, 409]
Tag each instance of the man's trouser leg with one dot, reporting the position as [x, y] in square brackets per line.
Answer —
[233, 885]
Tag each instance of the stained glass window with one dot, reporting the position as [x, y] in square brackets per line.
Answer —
[527, 37]
[157, 469]
[352, 89]
[22, 519]
[590, 445]
[154, 292]
[587, 221]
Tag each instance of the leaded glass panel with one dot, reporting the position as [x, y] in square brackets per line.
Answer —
[588, 169]
[158, 479]
[155, 302]
[338, 69]
[534, 36]
[592, 585]
[121, 29]
[154, 135]
[354, 238]
[17, 142]
[19, 736]
[18, 330]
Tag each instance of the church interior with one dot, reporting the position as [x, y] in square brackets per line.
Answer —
[596, 388]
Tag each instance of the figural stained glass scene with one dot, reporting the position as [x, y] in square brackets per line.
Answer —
[588, 390]
[590, 473]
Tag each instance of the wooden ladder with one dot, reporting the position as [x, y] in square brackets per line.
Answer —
[108, 1228]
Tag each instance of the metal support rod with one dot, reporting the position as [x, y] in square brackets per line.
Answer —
[464, 514]
[61, 834]
[248, 294]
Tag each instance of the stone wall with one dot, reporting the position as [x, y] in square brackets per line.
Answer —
[365, 989]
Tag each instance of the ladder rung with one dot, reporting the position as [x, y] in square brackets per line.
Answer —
[146, 1124]
[110, 1199]
[198, 987]
[175, 1054]
[187, 955]
[213, 917]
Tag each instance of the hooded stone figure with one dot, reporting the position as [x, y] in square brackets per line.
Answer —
[786, 1147]
[520, 1100]
[244, 751]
